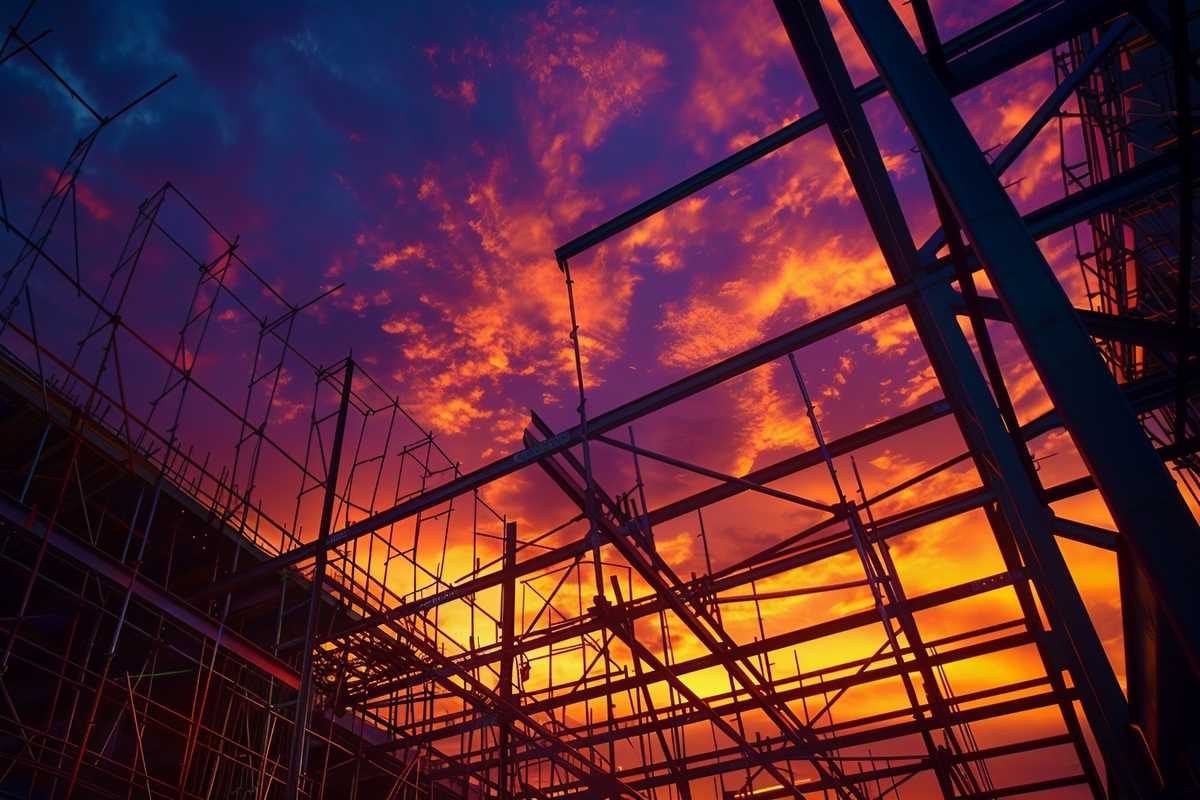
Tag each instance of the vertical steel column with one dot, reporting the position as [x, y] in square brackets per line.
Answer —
[952, 234]
[508, 598]
[993, 450]
[304, 694]
[1147, 507]
[1181, 55]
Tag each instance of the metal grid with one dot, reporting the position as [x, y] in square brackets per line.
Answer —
[317, 667]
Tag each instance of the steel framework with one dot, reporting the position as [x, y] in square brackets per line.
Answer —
[276, 615]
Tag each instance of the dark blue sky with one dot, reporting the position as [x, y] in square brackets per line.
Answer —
[431, 156]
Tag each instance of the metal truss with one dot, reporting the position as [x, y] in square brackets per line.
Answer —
[275, 616]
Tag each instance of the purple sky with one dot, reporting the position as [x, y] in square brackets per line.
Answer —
[431, 156]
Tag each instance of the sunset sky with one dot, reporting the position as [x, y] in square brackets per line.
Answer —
[432, 156]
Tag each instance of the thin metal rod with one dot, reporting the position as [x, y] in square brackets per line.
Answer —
[296, 765]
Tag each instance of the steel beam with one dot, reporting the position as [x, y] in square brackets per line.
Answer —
[153, 596]
[1153, 334]
[976, 56]
[1144, 395]
[1021, 511]
[296, 766]
[508, 601]
[1154, 175]
[788, 466]
[1139, 492]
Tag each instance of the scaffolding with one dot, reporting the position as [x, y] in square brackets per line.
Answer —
[227, 586]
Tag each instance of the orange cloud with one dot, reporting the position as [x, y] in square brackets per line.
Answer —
[716, 321]
[504, 317]
[391, 258]
[662, 237]
[729, 90]
[770, 419]
[586, 79]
